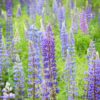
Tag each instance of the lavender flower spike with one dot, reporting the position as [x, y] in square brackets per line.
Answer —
[19, 79]
[83, 22]
[1, 60]
[61, 15]
[64, 40]
[70, 70]
[35, 71]
[40, 5]
[50, 74]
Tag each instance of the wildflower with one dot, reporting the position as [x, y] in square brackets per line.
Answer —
[18, 78]
[9, 8]
[83, 22]
[32, 9]
[19, 12]
[50, 74]
[61, 15]
[40, 6]
[70, 70]
[64, 40]
[1, 60]
[9, 26]
[35, 71]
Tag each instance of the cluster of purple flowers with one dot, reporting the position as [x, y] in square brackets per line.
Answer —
[32, 9]
[70, 70]
[35, 71]
[93, 79]
[19, 12]
[64, 40]
[83, 22]
[50, 75]
[18, 78]
[9, 7]
[40, 6]
[1, 67]
[9, 25]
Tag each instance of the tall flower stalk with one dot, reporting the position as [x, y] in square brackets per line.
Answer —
[1, 60]
[64, 40]
[40, 5]
[9, 25]
[70, 70]
[61, 15]
[32, 9]
[49, 69]
[83, 22]
[92, 86]
[35, 75]
[18, 78]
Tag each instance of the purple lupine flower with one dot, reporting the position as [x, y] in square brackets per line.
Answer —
[32, 5]
[89, 14]
[22, 2]
[9, 26]
[72, 5]
[19, 12]
[75, 20]
[40, 5]
[94, 81]
[70, 70]
[91, 55]
[9, 33]
[1, 60]
[93, 85]
[83, 22]
[19, 78]
[55, 7]
[9, 7]
[89, 1]
[50, 74]
[64, 40]
[59, 2]
[61, 15]
[35, 71]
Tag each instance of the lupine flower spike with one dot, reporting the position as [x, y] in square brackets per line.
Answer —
[83, 22]
[70, 74]
[34, 70]
[40, 5]
[18, 78]
[61, 15]
[50, 70]
[1, 60]
[9, 26]
[64, 40]
[92, 86]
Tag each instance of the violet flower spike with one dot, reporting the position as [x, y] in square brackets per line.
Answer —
[64, 40]
[55, 7]
[61, 15]
[40, 5]
[1, 60]
[19, 12]
[35, 77]
[19, 79]
[32, 9]
[92, 73]
[83, 22]
[9, 26]
[50, 74]
[9, 8]
[70, 73]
